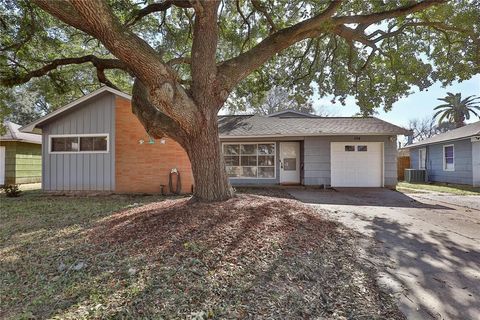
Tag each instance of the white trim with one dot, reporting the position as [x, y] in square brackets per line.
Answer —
[444, 162]
[257, 155]
[29, 127]
[420, 159]
[77, 135]
[320, 134]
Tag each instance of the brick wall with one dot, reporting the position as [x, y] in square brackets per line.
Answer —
[144, 167]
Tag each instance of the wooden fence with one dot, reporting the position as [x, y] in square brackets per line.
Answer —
[402, 164]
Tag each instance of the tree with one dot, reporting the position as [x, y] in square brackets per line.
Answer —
[275, 100]
[427, 127]
[456, 109]
[188, 56]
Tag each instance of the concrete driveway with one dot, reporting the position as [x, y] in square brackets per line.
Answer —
[427, 246]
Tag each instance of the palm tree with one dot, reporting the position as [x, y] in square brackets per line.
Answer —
[457, 110]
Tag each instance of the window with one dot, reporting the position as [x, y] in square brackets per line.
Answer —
[84, 143]
[422, 158]
[349, 148]
[250, 160]
[449, 158]
[362, 148]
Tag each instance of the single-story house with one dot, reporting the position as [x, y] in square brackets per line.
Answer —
[450, 157]
[20, 156]
[96, 143]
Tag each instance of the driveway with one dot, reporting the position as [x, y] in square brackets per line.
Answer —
[427, 246]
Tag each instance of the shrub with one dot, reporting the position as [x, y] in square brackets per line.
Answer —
[12, 190]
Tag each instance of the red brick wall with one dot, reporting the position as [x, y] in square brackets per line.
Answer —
[144, 167]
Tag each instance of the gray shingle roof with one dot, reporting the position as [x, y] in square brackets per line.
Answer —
[256, 125]
[467, 131]
[13, 134]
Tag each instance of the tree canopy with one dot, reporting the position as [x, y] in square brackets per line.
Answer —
[376, 59]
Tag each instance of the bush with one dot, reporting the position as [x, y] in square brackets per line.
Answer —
[12, 190]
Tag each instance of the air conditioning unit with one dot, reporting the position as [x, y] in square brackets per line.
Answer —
[415, 175]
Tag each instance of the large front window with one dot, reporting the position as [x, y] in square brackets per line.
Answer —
[250, 160]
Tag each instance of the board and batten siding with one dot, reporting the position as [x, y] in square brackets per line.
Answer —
[463, 162]
[317, 166]
[81, 171]
[476, 163]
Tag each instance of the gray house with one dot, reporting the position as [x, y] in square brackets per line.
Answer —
[96, 143]
[294, 148]
[450, 157]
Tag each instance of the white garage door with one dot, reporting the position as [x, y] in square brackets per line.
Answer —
[355, 164]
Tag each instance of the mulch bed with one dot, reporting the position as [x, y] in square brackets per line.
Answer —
[253, 257]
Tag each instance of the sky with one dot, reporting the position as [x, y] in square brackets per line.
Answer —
[417, 105]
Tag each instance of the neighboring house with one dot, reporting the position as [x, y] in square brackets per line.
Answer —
[451, 157]
[96, 143]
[20, 156]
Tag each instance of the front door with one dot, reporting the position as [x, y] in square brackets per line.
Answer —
[289, 162]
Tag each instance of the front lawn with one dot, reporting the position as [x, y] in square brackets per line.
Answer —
[457, 189]
[145, 257]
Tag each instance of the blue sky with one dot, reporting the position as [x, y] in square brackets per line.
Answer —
[417, 105]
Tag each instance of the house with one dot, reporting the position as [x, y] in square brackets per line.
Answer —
[96, 143]
[20, 156]
[450, 157]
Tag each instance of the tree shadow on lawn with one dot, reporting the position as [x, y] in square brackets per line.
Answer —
[249, 257]
[439, 278]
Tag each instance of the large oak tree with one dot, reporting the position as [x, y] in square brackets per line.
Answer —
[188, 58]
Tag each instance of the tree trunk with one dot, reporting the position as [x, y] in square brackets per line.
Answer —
[208, 165]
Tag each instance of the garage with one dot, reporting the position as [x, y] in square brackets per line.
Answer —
[356, 164]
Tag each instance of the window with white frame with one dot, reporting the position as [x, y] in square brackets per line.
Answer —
[422, 158]
[250, 160]
[449, 158]
[85, 143]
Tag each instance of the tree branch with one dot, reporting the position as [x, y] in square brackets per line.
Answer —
[156, 7]
[179, 60]
[261, 8]
[99, 63]
[98, 20]
[368, 19]
[238, 68]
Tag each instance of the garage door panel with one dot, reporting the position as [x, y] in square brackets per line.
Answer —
[356, 168]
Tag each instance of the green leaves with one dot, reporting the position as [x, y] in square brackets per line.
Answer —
[437, 44]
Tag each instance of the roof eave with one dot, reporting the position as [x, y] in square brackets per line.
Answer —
[31, 126]
[421, 144]
[307, 135]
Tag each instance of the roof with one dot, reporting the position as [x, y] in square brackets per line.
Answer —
[291, 114]
[467, 131]
[29, 127]
[284, 123]
[264, 126]
[14, 134]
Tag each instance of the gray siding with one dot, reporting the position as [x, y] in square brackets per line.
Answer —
[76, 171]
[476, 163]
[463, 162]
[317, 158]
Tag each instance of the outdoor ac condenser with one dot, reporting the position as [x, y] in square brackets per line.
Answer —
[415, 175]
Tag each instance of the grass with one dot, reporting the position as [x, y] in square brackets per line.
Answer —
[146, 257]
[440, 187]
